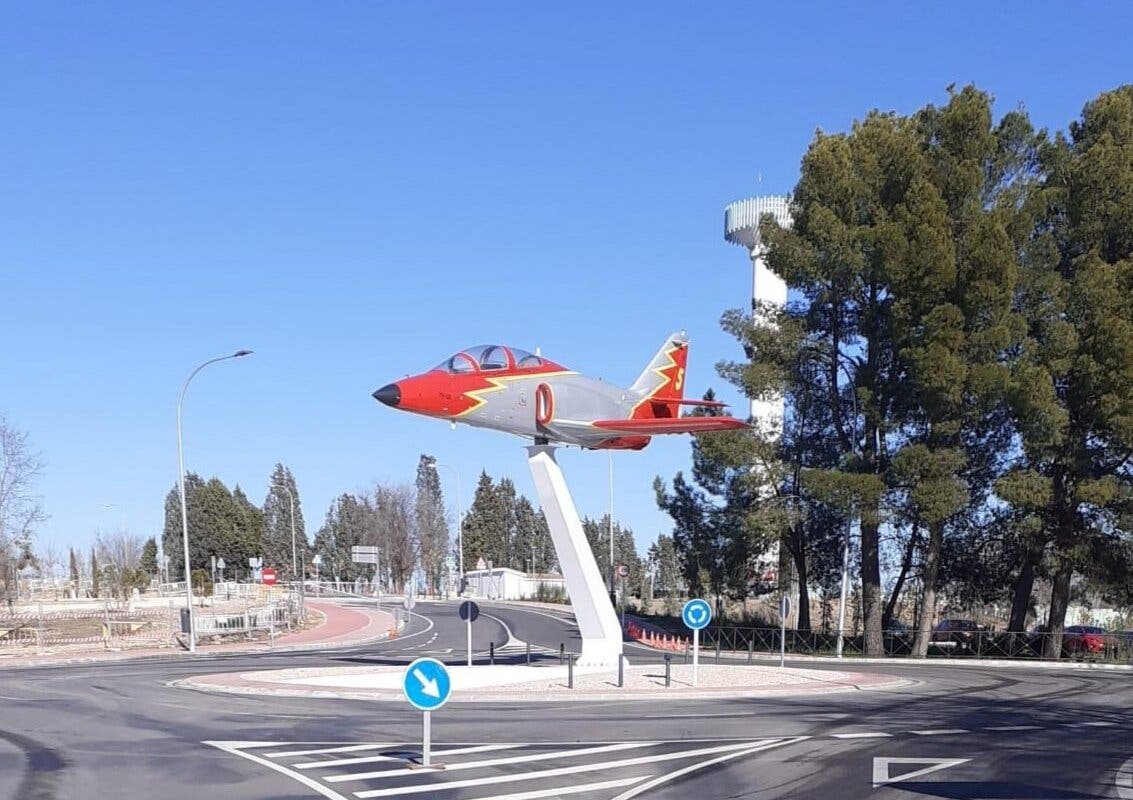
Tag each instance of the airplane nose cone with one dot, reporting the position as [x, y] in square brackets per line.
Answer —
[390, 394]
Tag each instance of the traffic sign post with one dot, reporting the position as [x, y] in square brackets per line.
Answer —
[784, 612]
[268, 576]
[469, 611]
[696, 615]
[426, 685]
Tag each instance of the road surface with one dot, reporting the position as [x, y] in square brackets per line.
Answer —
[119, 730]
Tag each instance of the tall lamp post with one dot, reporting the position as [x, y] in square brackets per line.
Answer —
[184, 507]
[294, 548]
[459, 524]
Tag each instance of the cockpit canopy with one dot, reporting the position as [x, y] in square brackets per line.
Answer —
[490, 357]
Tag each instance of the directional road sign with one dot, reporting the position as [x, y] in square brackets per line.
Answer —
[426, 684]
[469, 611]
[364, 554]
[696, 614]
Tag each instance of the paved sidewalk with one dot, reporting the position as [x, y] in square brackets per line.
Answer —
[340, 626]
[511, 683]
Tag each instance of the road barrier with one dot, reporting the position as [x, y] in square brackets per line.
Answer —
[743, 642]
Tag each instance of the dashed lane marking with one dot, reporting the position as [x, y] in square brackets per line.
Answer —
[869, 735]
[940, 732]
[1013, 728]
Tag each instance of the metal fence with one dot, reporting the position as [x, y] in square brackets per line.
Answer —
[975, 645]
[110, 628]
[273, 618]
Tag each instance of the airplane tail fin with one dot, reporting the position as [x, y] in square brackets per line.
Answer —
[663, 381]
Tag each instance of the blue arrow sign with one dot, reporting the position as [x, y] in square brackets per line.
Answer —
[696, 614]
[426, 684]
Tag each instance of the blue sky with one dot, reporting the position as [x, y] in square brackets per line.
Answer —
[355, 190]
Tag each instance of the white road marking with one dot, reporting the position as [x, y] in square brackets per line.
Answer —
[877, 735]
[1124, 780]
[881, 768]
[233, 748]
[634, 792]
[551, 773]
[353, 748]
[1013, 728]
[940, 732]
[585, 787]
[555, 754]
[346, 762]
[1095, 724]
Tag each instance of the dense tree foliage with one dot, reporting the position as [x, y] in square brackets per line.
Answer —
[957, 362]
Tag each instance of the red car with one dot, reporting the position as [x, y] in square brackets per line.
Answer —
[1083, 640]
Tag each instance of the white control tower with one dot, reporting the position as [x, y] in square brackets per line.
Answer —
[741, 226]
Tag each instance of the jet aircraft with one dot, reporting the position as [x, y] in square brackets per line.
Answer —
[511, 390]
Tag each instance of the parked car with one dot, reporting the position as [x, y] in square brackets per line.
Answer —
[958, 634]
[1076, 640]
[1083, 640]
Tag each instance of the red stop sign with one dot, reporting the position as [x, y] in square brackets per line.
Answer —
[268, 576]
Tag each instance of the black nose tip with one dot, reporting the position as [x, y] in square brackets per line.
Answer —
[390, 394]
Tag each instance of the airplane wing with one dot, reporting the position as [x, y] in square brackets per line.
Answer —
[649, 427]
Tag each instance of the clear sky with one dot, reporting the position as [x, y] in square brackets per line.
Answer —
[355, 190]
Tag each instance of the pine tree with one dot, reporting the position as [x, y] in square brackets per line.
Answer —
[486, 525]
[345, 527]
[147, 564]
[1073, 383]
[431, 524]
[94, 574]
[278, 546]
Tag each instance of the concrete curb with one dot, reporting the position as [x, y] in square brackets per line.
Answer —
[244, 684]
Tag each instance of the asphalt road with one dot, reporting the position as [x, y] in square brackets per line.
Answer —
[118, 730]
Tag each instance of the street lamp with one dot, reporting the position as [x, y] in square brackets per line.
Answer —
[459, 523]
[294, 549]
[184, 507]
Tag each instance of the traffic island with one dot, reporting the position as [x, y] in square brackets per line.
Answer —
[511, 683]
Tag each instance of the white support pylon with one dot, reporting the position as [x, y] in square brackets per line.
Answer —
[597, 621]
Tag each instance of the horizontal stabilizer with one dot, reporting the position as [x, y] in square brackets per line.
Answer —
[649, 427]
[705, 403]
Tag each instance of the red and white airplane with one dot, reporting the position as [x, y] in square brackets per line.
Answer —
[511, 390]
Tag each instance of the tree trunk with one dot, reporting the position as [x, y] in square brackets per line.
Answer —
[872, 601]
[1056, 619]
[928, 589]
[906, 565]
[1024, 584]
[803, 619]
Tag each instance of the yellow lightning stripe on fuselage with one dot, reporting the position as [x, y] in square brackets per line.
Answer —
[660, 373]
[476, 395]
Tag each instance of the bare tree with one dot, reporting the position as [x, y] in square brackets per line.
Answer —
[118, 556]
[20, 510]
[394, 532]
